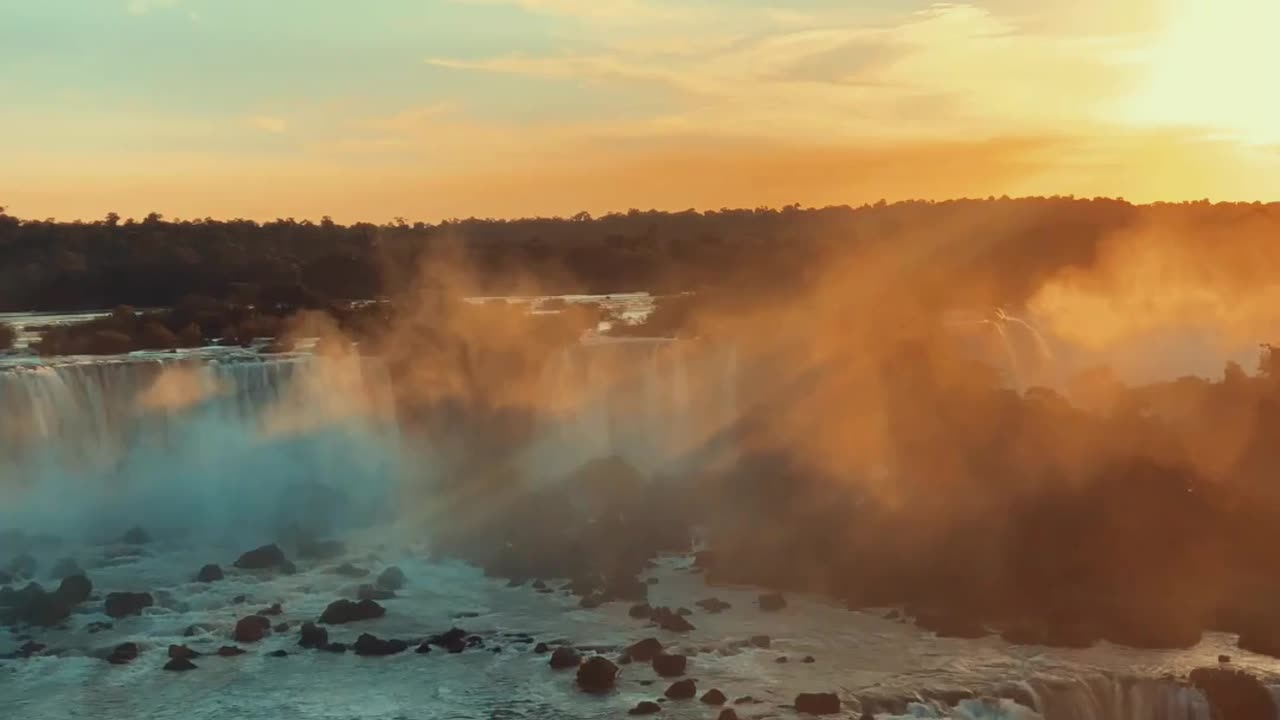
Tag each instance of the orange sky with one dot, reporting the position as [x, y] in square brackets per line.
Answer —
[438, 108]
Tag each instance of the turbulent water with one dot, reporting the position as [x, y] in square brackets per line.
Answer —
[216, 449]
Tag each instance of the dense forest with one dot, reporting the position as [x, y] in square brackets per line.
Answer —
[999, 249]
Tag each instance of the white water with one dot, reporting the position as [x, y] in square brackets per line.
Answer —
[213, 454]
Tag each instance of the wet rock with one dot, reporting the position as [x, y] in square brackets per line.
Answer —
[313, 636]
[597, 674]
[391, 579]
[64, 568]
[351, 571]
[771, 602]
[667, 665]
[229, 651]
[1224, 658]
[123, 654]
[74, 589]
[783, 660]
[641, 611]
[745, 700]
[274, 611]
[282, 627]
[713, 605]
[251, 629]
[335, 648]
[1233, 695]
[371, 646]
[97, 627]
[209, 573]
[345, 611]
[453, 641]
[645, 707]
[761, 641]
[123, 604]
[644, 650]
[817, 703]
[373, 592]
[179, 665]
[320, 549]
[267, 557]
[136, 536]
[728, 714]
[590, 602]
[23, 566]
[714, 697]
[808, 660]
[182, 651]
[670, 621]
[201, 629]
[541, 648]
[278, 653]
[239, 600]
[682, 690]
[564, 658]
[539, 585]
[424, 648]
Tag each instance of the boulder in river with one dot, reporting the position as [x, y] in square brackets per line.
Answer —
[229, 651]
[313, 636]
[123, 654]
[267, 557]
[644, 650]
[124, 604]
[667, 665]
[671, 621]
[714, 697]
[564, 658]
[372, 646]
[641, 611]
[251, 629]
[345, 611]
[74, 589]
[818, 703]
[727, 714]
[182, 651]
[209, 573]
[597, 674]
[179, 665]
[682, 690]
[713, 605]
[391, 579]
[645, 707]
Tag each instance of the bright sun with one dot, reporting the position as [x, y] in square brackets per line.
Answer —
[1213, 66]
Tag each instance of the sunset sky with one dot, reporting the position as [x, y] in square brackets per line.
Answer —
[431, 109]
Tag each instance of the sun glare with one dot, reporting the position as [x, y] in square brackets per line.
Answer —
[1210, 68]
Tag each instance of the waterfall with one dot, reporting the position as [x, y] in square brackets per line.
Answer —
[191, 445]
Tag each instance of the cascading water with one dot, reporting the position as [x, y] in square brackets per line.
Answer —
[190, 445]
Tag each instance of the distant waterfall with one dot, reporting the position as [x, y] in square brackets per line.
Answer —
[188, 444]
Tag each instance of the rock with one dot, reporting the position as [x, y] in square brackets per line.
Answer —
[351, 571]
[345, 611]
[371, 646]
[782, 660]
[266, 557]
[320, 549]
[1233, 695]
[281, 627]
[818, 703]
[136, 536]
[123, 654]
[288, 568]
[335, 648]
[682, 690]
[179, 665]
[644, 650]
[74, 589]
[373, 592]
[209, 573]
[182, 651]
[714, 697]
[713, 605]
[23, 566]
[251, 629]
[64, 568]
[590, 602]
[771, 602]
[278, 653]
[229, 651]
[454, 641]
[728, 714]
[391, 579]
[30, 648]
[745, 700]
[669, 665]
[671, 621]
[645, 707]
[97, 627]
[1224, 658]
[761, 641]
[239, 600]
[641, 611]
[275, 610]
[34, 606]
[564, 658]
[597, 674]
[541, 648]
[808, 660]
[539, 585]
[123, 604]
[424, 648]
[313, 636]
